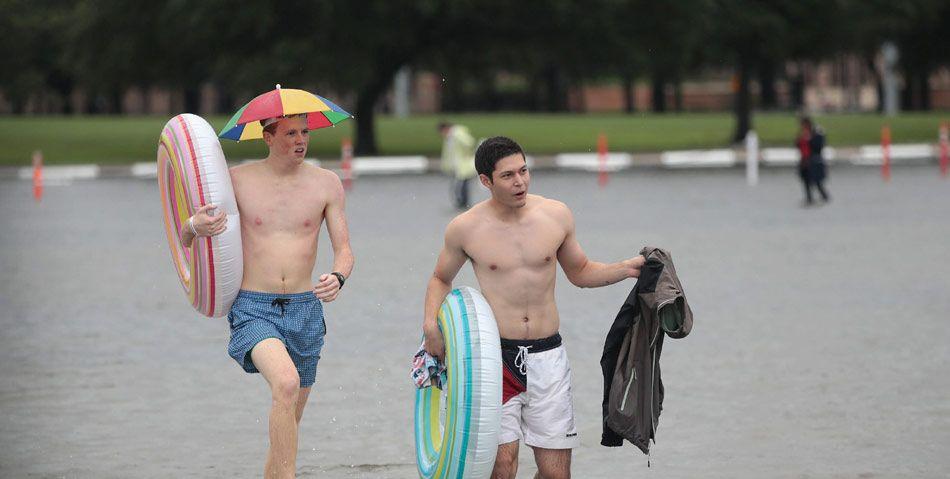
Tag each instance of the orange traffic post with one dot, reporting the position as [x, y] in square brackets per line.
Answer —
[346, 162]
[886, 152]
[37, 175]
[602, 159]
[944, 151]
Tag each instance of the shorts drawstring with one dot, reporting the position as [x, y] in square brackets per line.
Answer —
[280, 302]
[521, 360]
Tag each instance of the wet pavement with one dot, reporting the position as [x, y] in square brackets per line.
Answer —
[820, 347]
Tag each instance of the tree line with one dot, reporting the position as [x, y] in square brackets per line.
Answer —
[355, 47]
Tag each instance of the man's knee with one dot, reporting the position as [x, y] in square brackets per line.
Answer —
[506, 461]
[286, 387]
[504, 469]
[553, 464]
[553, 473]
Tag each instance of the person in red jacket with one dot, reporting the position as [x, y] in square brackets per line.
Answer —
[811, 166]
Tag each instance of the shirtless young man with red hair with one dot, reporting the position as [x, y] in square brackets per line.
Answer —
[277, 323]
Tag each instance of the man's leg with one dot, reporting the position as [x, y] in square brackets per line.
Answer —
[302, 402]
[821, 190]
[552, 463]
[271, 359]
[806, 181]
[463, 200]
[506, 461]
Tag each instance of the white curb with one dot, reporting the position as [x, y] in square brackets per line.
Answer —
[389, 165]
[145, 170]
[698, 158]
[57, 173]
[791, 156]
[874, 154]
[591, 161]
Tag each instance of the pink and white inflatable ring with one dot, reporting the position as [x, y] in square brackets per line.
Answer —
[192, 172]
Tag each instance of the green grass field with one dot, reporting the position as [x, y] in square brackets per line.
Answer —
[122, 140]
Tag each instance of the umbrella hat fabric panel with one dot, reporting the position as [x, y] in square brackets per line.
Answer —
[280, 102]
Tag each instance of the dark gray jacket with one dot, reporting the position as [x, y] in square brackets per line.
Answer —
[633, 391]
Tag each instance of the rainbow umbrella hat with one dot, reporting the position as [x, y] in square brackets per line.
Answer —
[246, 125]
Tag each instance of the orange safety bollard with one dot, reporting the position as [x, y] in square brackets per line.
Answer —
[944, 151]
[886, 152]
[602, 159]
[37, 175]
[346, 162]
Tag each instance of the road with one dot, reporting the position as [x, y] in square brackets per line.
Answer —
[820, 347]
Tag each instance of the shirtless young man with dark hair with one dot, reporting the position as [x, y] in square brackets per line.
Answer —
[513, 240]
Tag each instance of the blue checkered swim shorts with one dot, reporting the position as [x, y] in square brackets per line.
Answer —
[295, 319]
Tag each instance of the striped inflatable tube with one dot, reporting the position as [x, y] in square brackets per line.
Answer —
[456, 430]
[192, 172]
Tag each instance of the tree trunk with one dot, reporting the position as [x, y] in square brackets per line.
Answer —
[878, 81]
[365, 126]
[659, 92]
[924, 89]
[225, 101]
[907, 93]
[743, 107]
[678, 95]
[555, 89]
[489, 95]
[365, 110]
[115, 100]
[193, 100]
[629, 94]
[767, 92]
[17, 104]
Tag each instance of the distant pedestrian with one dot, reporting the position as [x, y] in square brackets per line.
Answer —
[811, 166]
[458, 160]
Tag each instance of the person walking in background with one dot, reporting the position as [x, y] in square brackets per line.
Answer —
[811, 166]
[458, 160]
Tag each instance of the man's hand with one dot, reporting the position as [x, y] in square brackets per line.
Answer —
[434, 343]
[207, 223]
[633, 266]
[328, 288]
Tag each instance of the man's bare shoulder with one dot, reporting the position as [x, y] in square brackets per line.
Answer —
[322, 175]
[552, 208]
[465, 223]
[243, 167]
[465, 220]
[244, 170]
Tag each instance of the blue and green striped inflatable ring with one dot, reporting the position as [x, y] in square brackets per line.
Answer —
[460, 441]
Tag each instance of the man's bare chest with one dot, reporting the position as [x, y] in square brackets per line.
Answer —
[510, 249]
[266, 210]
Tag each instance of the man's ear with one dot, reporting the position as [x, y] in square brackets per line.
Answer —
[486, 181]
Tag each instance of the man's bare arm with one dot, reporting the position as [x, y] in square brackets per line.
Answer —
[451, 259]
[203, 224]
[329, 286]
[583, 272]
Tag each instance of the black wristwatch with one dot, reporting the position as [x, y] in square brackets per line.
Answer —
[340, 277]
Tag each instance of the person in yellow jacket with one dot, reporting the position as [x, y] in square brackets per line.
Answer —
[458, 160]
